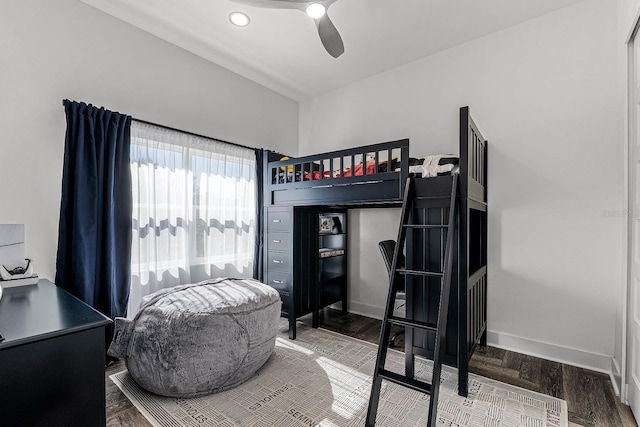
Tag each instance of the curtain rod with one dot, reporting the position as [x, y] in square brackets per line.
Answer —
[192, 133]
[187, 132]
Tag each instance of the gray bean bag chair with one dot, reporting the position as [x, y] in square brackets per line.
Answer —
[198, 339]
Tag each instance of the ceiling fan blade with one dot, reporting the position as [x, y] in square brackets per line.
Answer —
[329, 36]
[274, 4]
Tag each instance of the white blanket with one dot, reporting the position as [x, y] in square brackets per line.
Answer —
[431, 167]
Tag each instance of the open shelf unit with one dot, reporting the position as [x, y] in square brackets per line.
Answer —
[332, 258]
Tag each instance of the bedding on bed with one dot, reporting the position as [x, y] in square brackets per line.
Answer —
[346, 172]
[435, 165]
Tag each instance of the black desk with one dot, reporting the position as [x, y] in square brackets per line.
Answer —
[52, 358]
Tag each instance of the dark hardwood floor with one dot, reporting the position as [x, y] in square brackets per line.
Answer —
[590, 397]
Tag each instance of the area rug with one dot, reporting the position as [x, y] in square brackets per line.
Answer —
[324, 379]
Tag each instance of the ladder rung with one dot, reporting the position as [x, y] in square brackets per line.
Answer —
[412, 323]
[420, 386]
[419, 272]
[425, 225]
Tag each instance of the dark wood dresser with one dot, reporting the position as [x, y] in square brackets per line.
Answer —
[306, 265]
[51, 359]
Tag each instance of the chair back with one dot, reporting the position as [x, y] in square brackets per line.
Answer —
[387, 248]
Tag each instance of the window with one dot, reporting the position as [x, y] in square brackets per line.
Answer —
[194, 210]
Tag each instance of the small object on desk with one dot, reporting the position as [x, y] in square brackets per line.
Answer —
[19, 275]
[12, 283]
[15, 269]
[20, 271]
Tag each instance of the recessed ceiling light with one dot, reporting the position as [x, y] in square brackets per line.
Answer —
[316, 10]
[239, 19]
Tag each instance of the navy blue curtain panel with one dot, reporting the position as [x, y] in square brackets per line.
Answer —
[259, 250]
[94, 243]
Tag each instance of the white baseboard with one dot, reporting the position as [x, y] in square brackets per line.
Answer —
[570, 356]
[557, 353]
[366, 310]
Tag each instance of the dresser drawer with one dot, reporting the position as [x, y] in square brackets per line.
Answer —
[278, 220]
[278, 261]
[279, 280]
[279, 241]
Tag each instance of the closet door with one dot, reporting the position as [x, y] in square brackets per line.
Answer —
[633, 295]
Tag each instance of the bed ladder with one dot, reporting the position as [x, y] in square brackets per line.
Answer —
[440, 327]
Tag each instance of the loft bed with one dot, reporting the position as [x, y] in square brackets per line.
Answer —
[375, 176]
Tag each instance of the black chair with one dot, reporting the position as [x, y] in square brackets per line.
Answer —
[387, 248]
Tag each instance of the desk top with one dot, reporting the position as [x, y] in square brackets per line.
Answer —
[36, 312]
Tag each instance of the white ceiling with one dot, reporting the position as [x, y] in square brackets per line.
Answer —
[281, 49]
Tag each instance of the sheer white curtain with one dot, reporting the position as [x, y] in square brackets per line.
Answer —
[194, 210]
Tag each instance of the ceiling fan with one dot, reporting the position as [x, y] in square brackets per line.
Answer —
[317, 10]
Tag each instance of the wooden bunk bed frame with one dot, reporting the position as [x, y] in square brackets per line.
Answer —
[312, 181]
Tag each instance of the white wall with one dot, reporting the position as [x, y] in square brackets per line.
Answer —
[66, 49]
[545, 93]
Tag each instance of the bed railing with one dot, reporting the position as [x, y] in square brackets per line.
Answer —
[473, 159]
[298, 180]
